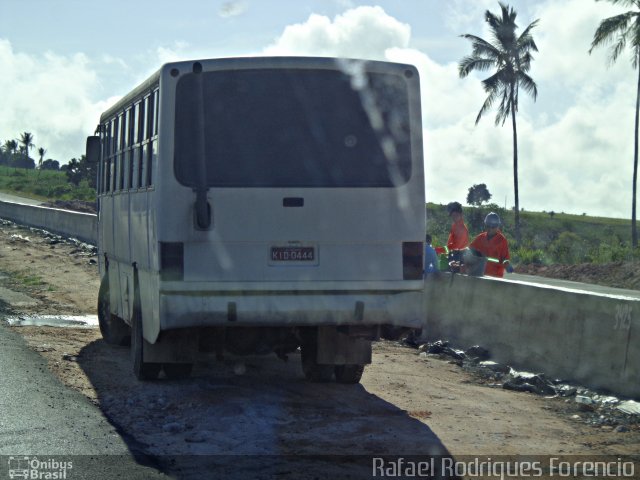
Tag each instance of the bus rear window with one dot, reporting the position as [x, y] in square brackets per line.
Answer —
[294, 128]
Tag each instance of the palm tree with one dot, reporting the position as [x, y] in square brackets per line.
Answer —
[26, 139]
[41, 152]
[624, 29]
[511, 57]
[11, 146]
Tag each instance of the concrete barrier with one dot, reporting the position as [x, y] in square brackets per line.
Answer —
[568, 333]
[82, 226]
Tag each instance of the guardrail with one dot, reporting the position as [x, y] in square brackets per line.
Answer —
[589, 337]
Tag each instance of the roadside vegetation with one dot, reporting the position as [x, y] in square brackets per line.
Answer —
[45, 185]
[547, 237]
[46, 179]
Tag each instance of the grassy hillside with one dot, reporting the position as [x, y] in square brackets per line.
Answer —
[43, 185]
[547, 238]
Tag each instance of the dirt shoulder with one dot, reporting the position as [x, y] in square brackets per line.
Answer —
[617, 275]
[60, 276]
[406, 404]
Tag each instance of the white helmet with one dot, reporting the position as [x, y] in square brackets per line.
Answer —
[492, 220]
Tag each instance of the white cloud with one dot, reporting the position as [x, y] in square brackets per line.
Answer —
[463, 15]
[564, 37]
[176, 52]
[232, 9]
[574, 143]
[362, 32]
[51, 97]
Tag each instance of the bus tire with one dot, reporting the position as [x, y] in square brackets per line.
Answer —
[113, 329]
[313, 371]
[349, 373]
[141, 369]
[177, 371]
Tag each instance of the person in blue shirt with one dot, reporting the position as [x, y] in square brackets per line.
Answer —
[430, 257]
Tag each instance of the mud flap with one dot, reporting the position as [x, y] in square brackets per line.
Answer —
[172, 346]
[335, 348]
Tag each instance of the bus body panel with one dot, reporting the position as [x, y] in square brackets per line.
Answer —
[357, 233]
[139, 221]
[121, 227]
[274, 309]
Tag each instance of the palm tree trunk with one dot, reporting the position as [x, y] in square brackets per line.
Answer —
[634, 230]
[515, 169]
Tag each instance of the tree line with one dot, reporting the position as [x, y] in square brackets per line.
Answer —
[509, 56]
[16, 153]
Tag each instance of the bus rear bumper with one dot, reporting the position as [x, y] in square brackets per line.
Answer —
[184, 310]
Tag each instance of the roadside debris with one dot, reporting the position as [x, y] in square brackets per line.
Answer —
[81, 248]
[442, 348]
[597, 409]
[19, 238]
[528, 382]
[630, 407]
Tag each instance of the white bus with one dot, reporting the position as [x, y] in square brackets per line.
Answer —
[256, 205]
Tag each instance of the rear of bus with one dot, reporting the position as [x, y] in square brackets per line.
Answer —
[290, 204]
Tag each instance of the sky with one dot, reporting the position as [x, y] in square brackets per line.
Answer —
[62, 63]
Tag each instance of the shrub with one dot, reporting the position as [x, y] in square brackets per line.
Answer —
[568, 248]
[611, 252]
[527, 256]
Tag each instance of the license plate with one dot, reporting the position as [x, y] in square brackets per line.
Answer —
[293, 254]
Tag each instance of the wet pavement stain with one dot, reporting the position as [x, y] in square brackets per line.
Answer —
[76, 321]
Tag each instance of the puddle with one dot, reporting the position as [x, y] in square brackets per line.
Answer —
[77, 321]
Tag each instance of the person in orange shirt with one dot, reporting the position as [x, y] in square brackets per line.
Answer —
[493, 245]
[458, 236]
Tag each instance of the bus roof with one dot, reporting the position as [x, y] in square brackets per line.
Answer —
[262, 61]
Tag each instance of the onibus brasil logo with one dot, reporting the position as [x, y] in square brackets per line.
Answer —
[36, 468]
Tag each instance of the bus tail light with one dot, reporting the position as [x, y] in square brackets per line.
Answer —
[171, 261]
[412, 253]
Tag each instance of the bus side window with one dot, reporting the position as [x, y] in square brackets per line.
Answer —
[115, 143]
[153, 152]
[126, 155]
[151, 159]
[124, 130]
[112, 180]
[156, 109]
[148, 109]
[140, 109]
[105, 133]
[105, 175]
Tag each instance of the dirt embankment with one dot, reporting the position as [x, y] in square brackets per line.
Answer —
[618, 275]
[60, 276]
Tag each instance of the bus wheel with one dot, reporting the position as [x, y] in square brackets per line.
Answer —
[314, 371]
[142, 370]
[113, 329]
[349, 373]
[177, 371]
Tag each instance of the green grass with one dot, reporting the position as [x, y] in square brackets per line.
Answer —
[28, 280]
[42, 185]
[546, 238]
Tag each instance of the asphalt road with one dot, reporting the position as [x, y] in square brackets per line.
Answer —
[42, 421]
